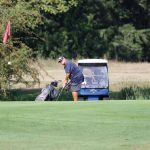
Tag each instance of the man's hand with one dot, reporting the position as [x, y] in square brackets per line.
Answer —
[64, 83]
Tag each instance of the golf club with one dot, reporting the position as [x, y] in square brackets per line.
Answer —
[62, 90]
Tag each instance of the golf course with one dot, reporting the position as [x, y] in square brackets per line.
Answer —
[83, 125]
[75, 75]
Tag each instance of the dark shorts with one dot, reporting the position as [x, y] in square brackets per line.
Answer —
[75, 87]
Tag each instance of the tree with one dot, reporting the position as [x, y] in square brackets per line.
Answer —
[54, 6]
[26, 17]
[98, 28]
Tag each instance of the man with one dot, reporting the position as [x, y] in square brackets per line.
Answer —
[74, 74]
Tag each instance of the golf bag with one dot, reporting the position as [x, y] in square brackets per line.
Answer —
[48, 93]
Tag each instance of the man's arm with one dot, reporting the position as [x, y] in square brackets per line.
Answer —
[66, 79]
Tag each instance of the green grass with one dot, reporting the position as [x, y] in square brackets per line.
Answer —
[98, 125]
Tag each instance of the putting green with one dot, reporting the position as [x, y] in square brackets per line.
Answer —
[96, 125]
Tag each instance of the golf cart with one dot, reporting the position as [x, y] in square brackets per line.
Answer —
[96, 82]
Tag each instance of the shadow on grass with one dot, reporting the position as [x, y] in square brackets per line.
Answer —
[127, 93]
[30, 95]
[20, 95]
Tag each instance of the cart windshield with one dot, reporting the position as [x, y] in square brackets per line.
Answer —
[94, 76]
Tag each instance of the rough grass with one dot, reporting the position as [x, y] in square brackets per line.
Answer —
[130, 91]
[99, 125]
[126, 80]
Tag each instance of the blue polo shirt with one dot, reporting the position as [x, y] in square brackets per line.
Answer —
[76, 75]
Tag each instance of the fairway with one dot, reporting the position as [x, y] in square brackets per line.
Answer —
[86, 125]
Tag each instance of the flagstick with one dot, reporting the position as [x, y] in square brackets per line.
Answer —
[9, 75]
[9, 71]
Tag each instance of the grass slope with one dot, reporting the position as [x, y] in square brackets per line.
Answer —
[98, 125]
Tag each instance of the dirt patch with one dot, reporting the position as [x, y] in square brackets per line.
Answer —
[119, 72]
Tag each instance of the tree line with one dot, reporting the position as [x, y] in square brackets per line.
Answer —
[116, 29]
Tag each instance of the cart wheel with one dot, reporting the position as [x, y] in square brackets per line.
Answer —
[105, 98]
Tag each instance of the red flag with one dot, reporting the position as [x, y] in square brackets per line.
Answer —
[7, 33]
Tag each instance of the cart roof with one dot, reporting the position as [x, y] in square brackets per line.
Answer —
[92, 61]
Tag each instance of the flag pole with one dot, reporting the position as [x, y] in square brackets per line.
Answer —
[9, 76]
